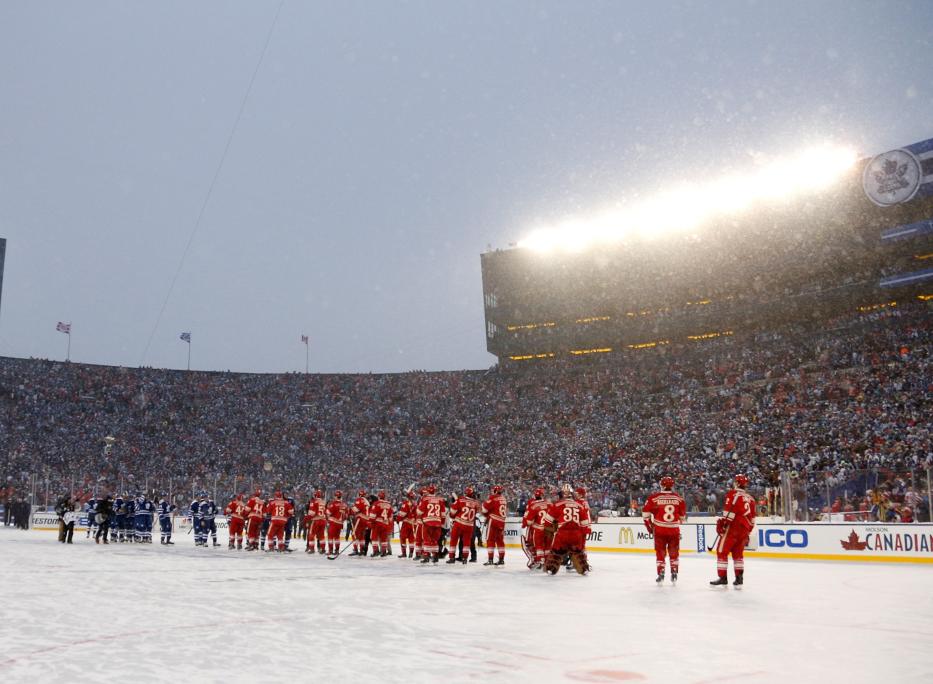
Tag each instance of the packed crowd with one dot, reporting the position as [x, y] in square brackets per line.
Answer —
[824, 401]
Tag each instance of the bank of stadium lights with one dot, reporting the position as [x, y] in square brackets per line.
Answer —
[688, 207]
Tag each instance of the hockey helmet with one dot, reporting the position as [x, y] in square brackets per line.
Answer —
[362, 492]
[318, 494]
[468, 491]
[667, 482]
[410, 493]
[338, 494]
[539, 492]
[431, 489]
[278, 493]
[382, 494]
[741, 481]
[258, 492]
[497, 489]
[580, 492]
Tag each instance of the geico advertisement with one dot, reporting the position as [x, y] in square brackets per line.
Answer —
[866, 540]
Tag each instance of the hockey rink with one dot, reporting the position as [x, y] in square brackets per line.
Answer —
[87, 613]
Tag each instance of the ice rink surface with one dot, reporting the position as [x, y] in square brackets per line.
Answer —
[88, 613]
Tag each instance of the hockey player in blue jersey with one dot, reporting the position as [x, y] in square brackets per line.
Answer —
[195, 513]
[144, 512]
[129, 522]
[264, 529]
[290, 523]
[164, 510]
[90, 509]
[208, 523]
[119, 519]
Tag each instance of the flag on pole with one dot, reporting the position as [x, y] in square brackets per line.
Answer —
[185, 337]
[304, 338]
[63, 328]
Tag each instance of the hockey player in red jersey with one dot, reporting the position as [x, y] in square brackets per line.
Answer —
[316, 522]
[256, 507]
[663, 514]
[533, 520]
[280, 510]
[405, 518]
[580, 498]
[463, 515]
[571, 521]
[418, 525]
[381, 524]
[360, 512]
[336, 517]
[432, 510]
[236, 511]
[495, 510]
[734, 528]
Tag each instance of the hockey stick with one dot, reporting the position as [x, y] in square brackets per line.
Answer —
[715, 541]
[347, 546]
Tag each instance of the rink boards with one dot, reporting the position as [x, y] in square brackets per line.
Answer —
[860, 542]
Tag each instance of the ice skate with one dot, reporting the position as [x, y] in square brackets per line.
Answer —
[720, 582]
[739, 581]
[673, 578]
[660, 578]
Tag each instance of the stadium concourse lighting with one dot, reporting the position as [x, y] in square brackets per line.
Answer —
[689, 206]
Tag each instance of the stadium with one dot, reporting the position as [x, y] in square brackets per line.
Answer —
[701, 452]
[800, 262]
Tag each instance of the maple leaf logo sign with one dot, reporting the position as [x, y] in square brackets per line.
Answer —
[853, 543]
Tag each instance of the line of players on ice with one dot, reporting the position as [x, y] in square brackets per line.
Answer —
[556, 527]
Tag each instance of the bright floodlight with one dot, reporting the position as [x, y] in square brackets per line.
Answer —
[689, 206]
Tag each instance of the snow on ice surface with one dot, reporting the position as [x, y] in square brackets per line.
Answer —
[88, 613]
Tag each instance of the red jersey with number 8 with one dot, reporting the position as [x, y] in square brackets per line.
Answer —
[665, 510]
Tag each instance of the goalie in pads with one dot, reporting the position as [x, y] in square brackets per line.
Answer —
[570, 521]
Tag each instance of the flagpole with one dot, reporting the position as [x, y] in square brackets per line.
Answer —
[189, 355]
[307, 357]
[68, 352]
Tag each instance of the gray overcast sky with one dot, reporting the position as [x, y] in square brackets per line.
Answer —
[382, 147]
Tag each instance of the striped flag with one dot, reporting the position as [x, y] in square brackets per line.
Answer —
[304, 338]
[63, 328]
[185, 337]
